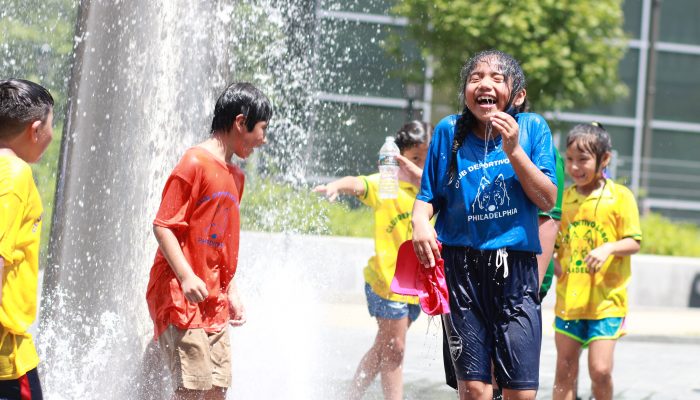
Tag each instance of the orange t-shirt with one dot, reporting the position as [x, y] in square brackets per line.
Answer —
[200, 205]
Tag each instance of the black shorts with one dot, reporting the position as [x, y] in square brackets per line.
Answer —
[26, 387]
[493, 319]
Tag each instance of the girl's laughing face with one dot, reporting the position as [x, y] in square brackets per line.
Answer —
[487, 90]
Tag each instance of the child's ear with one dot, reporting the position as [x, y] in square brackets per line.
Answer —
[240, 122]
[605, 160]
[519, 98]
[32, 131]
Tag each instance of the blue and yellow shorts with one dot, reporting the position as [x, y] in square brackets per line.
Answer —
[585, 331]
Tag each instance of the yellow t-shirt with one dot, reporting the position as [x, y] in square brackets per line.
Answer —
[392, 226]
[20, 229]
[606, 215]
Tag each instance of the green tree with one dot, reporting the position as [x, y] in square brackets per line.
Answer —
[569, 50]
[36, 43]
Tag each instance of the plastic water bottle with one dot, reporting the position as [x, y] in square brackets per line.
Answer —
[389, 169]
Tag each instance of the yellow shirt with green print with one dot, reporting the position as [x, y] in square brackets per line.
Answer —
[392, 226]
[607, 215]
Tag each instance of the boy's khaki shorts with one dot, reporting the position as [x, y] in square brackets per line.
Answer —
[197, 360]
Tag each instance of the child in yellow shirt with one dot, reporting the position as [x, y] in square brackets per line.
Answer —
[392, 227]
[599, 231]
[26, 116]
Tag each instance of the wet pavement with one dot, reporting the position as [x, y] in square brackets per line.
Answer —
[658, 359]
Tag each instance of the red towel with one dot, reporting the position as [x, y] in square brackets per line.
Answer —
[411, 278]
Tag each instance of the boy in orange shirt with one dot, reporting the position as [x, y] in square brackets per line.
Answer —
[191, 294]
[26, 115]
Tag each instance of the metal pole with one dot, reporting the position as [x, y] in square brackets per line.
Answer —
[648, 132]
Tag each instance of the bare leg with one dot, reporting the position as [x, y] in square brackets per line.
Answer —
[366, 371]
[385, 357]
[510, 394]
[187, 394]
[566, 375]
[216, 393]
[600, 365]
[474, 390]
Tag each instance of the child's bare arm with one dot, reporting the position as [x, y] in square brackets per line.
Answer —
[351, 185]
[538, 188]
[557, 268]
[424, 235]
[548, 229]
[194, 289]
[409, 172]
[623, 247]
[237, 313]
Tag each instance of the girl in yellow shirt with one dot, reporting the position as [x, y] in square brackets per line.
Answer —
[394, 313]
[599, 231]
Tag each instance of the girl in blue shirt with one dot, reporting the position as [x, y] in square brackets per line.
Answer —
[487, 173]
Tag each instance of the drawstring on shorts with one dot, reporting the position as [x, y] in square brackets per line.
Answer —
[502, 260]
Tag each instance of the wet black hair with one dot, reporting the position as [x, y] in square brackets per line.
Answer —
[240, 98]
[22, 102]
[590, 138]
[514, 75]
[412, 134]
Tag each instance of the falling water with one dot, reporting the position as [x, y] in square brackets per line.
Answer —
[141, 91]
[144, 82]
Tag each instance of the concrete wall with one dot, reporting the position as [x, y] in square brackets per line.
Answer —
[337, 264]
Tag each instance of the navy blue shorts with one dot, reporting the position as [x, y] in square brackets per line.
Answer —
[26, 387]
[492, 319]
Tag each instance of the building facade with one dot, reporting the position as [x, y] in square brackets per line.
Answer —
[655, 129]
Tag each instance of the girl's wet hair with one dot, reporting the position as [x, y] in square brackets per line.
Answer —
[514, 76]
[590, 138]
[412, 134]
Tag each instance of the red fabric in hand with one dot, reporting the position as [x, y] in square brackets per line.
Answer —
[411, 278]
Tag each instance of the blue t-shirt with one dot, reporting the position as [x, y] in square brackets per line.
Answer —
[485, 206]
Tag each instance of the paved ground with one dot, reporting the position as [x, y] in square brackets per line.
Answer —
[659, 359]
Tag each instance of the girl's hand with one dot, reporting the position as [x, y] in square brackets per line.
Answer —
[408, 171]
[194, 289]
[425, 242]
[330, 191]
[507, 126]
[557, 268]
[597, 257]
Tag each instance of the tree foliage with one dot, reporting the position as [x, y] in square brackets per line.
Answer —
[36, 43]
[569, 50]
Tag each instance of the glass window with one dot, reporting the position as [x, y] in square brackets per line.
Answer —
[354, 59]
[677, 87]
[678, 22]
[623, 107]
[347, 138]
[674, 171]
[632, 10]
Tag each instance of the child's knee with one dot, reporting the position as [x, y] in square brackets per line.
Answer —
[567, 363]
[600, 372]
[394, 350]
